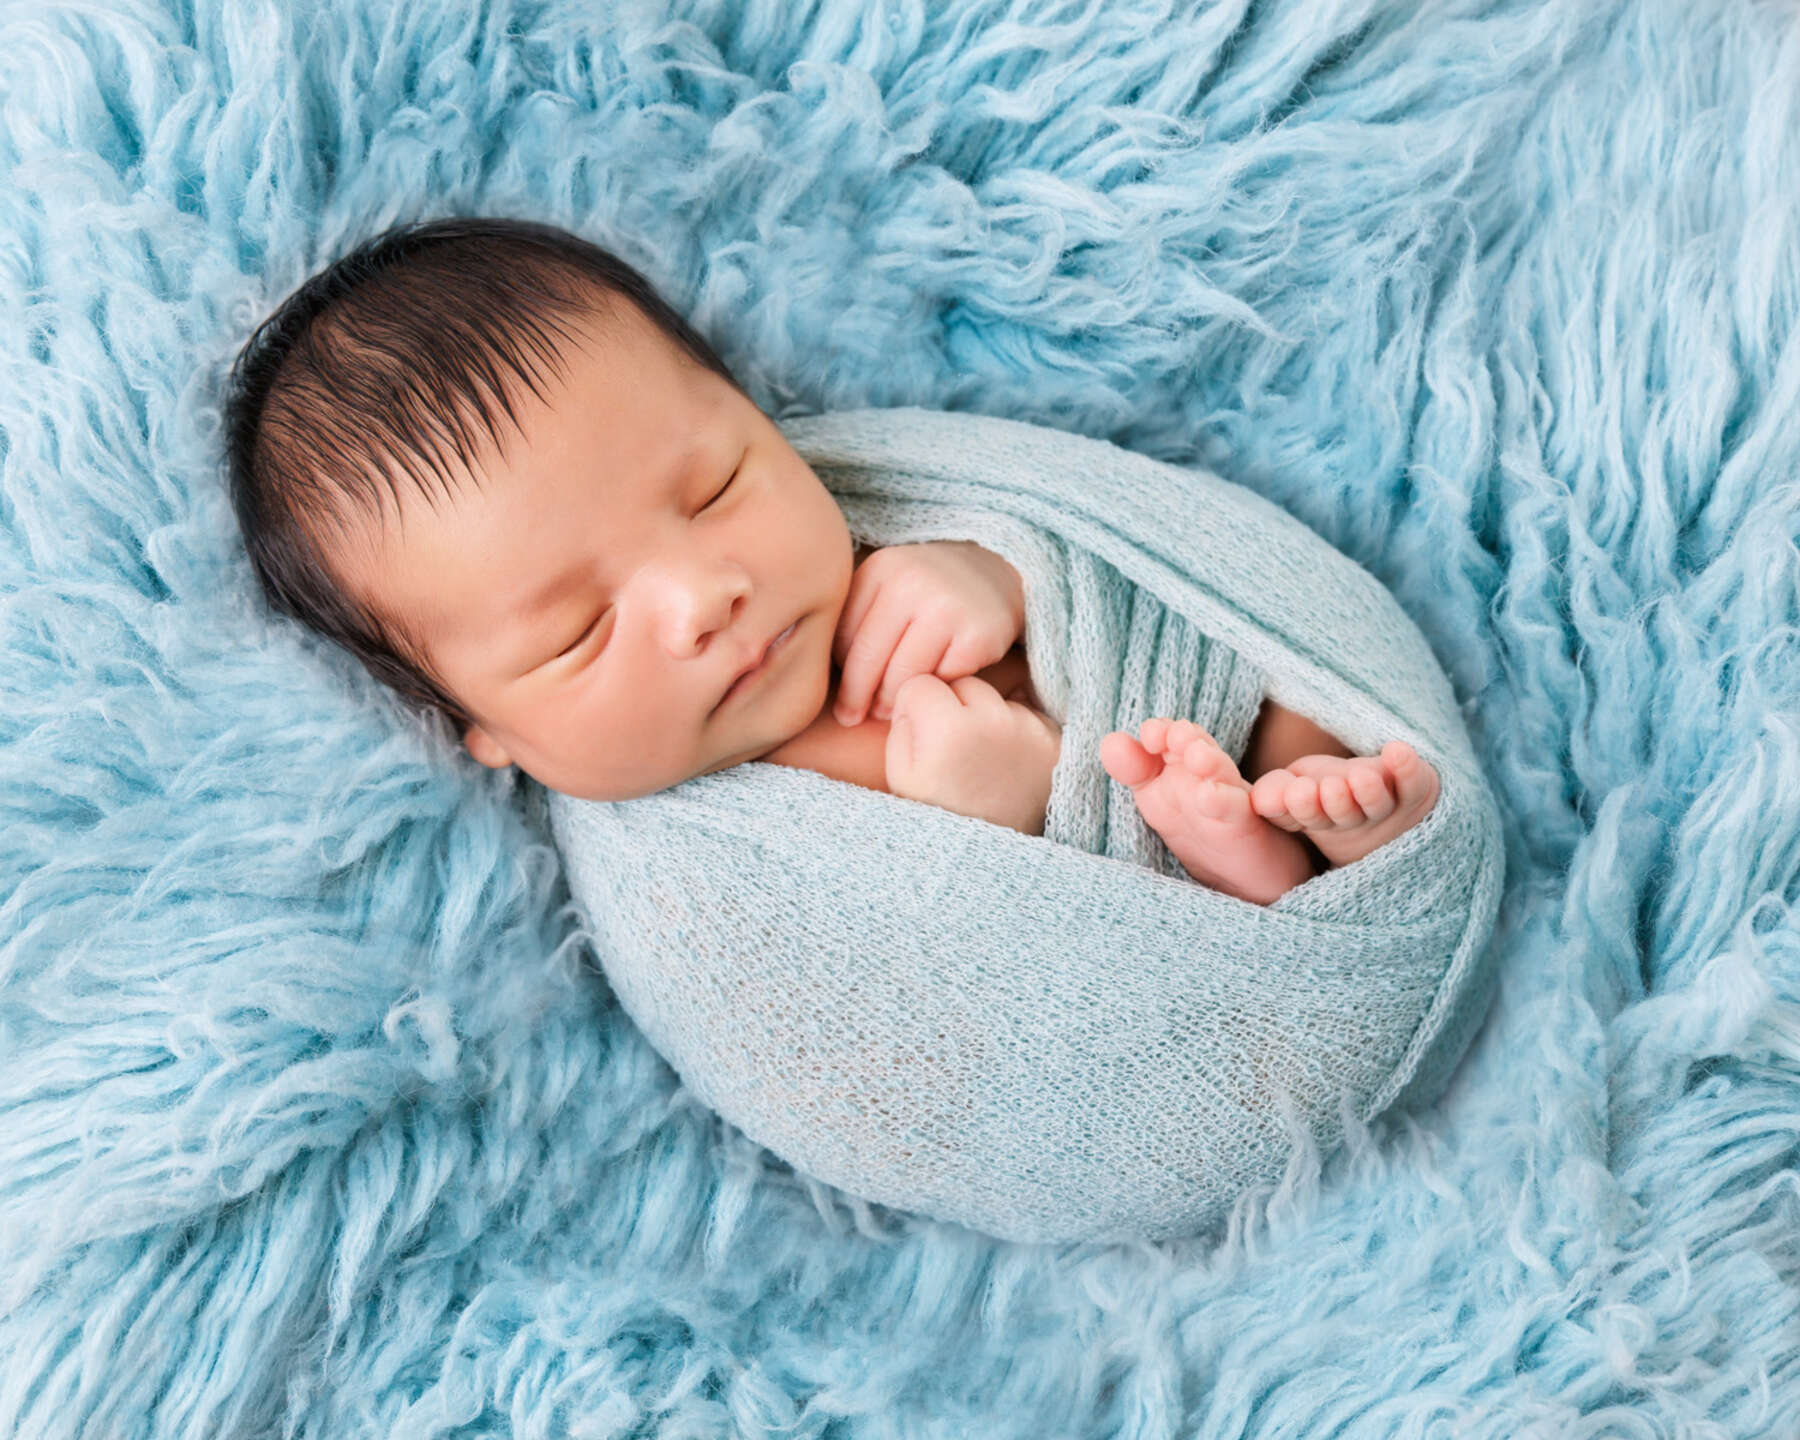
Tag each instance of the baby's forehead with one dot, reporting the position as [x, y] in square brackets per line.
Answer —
[619, 404]
[606, 355]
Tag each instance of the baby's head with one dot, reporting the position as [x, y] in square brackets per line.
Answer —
[487, 459]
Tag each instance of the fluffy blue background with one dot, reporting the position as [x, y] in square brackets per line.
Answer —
[315, 1119]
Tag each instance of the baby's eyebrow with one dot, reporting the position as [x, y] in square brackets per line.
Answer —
[550, 593]
[560, 585]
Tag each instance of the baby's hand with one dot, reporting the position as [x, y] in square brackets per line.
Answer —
[946, 608]
[964, 747]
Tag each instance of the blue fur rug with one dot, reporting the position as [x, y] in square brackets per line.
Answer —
[315, 1118]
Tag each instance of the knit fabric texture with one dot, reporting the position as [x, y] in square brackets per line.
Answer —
[1019, 1032]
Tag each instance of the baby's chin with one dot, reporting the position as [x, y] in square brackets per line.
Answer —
[791, 726]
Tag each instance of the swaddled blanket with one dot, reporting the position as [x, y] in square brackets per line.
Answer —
[1060, 1037]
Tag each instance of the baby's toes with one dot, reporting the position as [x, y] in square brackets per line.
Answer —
[1268, 798]
[1206, 761]
[1222, 803]
[1368, 783]
[1153, 734]
[1337, 802]
[1413, 778]
[1127, 761]
[1301, 796]
[1182, 735]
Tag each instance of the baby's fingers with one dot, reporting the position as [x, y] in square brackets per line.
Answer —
[866, 659]
[920, 652]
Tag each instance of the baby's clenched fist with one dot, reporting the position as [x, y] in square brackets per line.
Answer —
[964, 747]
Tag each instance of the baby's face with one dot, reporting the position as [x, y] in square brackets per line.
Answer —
[593, 596]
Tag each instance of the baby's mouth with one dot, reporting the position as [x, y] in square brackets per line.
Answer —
[751, 676]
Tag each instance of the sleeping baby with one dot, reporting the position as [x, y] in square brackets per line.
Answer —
[486, 458]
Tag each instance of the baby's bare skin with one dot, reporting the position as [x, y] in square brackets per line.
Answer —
[1255, 839]
[1245, 838]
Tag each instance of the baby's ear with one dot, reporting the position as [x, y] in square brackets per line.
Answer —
[485, 748]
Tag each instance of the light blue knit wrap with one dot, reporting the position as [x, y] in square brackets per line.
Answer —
[1060, 1037]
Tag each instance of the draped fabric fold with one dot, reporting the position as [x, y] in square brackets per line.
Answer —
[1061, 1037]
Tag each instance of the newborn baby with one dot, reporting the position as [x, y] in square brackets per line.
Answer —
[635, 579]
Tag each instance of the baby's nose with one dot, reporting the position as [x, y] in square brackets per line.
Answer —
[699, 618]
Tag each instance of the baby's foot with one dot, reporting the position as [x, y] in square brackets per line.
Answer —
[1190, 793]
[1348, 807]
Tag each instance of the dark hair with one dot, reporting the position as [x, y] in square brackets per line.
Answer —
[372, 365]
